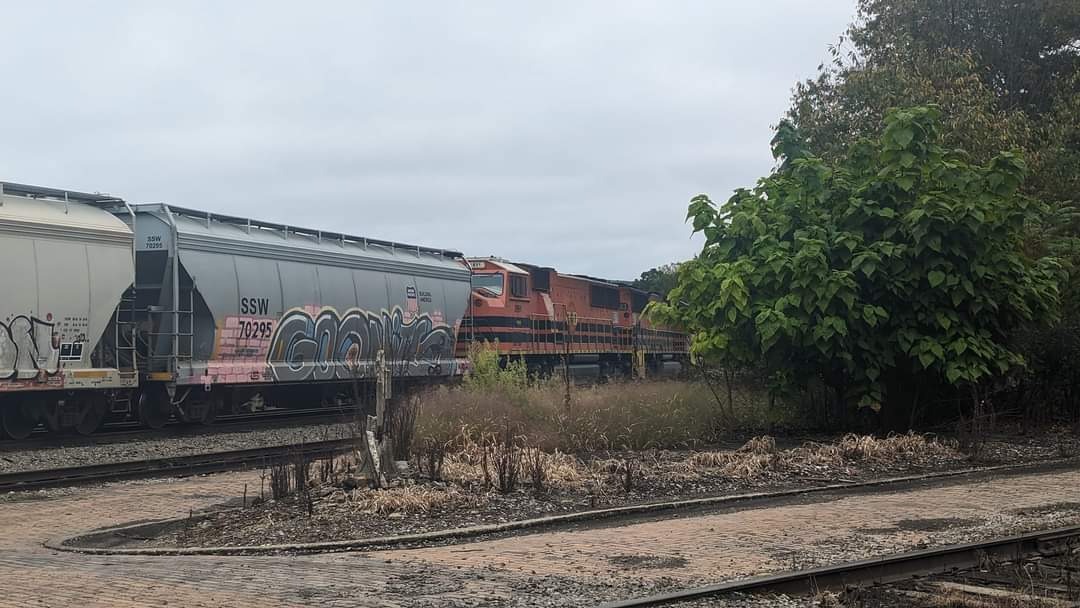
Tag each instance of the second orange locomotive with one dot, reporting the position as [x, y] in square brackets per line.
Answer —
[547, 317]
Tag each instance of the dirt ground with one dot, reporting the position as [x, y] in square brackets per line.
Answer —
[330, 508]
[578, 566]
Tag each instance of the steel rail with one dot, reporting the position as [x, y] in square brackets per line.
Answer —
[177, 466]
[885, 569]
[125, 432]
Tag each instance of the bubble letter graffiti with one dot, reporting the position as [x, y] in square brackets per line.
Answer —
[331, 346]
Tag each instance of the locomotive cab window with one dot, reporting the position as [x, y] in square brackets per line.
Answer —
[519, 287]
[488, 284]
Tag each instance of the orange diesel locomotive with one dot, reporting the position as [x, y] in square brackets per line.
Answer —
[547, 317]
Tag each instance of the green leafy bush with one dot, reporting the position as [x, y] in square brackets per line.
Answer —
[488, 373]
[897, 268]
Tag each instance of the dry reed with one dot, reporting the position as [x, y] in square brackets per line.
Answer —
[411, 499]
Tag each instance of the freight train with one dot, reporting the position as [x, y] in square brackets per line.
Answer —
[152, 312]
[549, 319]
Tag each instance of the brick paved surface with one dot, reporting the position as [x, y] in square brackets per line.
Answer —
[706, 547]
[747, 542]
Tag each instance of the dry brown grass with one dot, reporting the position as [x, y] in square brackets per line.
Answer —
[958, 599]
[736, 465]
[564, 471]
[759, 445]
[471, 478]
[759, 456]
[412, 499]
[464, 465]
[709, 460]
[911, 445]
[943, 598]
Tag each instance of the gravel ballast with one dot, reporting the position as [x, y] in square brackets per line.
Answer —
[135, 449]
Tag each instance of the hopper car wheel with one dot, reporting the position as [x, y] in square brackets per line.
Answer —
[215, 404]
[19, 419]
[209, 415]
[93, 414]
[51, 416]
[202, 413]
[154, 407]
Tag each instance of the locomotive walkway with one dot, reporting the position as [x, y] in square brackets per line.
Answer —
[610, 561]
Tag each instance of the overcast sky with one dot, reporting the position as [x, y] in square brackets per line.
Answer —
[568, 134]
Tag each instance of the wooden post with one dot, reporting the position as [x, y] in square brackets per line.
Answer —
[382, 391]
[379, 441]
[638, 356]
[571, 320]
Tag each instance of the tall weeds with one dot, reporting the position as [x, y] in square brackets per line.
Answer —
[501, 425]
[536, 463]
[292, 475]
[614, 416]
[487, 374]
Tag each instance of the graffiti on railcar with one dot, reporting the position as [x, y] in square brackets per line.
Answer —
[28, 349]
[326, 345]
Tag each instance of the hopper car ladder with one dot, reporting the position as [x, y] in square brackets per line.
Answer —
[182, 328]
[125, 349]
[124, 332]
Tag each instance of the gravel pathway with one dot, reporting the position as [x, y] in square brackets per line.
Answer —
[165, 447]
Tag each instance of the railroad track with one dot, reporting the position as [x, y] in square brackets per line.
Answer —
[177, 466]
[132, 431]
[889, 569]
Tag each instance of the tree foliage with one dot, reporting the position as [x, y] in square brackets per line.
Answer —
[1023, 49]
[898, 263]
[658, 280]
[1006, 75]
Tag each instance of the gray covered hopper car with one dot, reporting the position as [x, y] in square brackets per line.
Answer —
[241, 312]
[155, 311]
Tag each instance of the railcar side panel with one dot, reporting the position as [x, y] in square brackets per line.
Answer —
[67, 267]
[280, 307]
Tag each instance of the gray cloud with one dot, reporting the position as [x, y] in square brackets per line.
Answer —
[569, 134]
